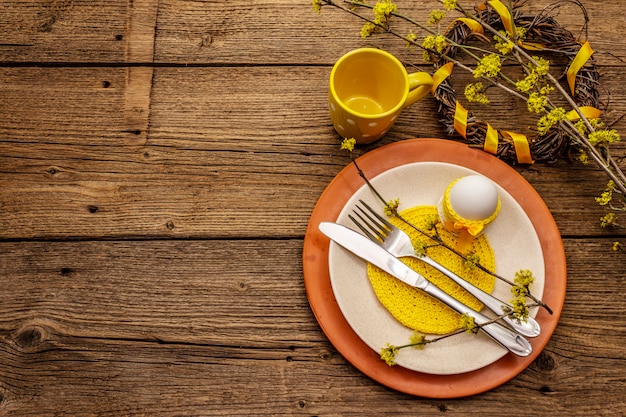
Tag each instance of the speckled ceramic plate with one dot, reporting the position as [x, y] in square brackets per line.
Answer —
[512, 237]
[460, 367]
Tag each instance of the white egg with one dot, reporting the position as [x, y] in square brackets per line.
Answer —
[474, 197]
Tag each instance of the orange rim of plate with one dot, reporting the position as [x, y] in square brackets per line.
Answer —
[327, 311]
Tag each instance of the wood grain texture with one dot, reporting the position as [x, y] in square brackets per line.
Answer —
[159, 160]
[85, 155]
[237, 32]
[216, 330]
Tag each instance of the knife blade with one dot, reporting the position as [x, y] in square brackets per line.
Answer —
[369, 251]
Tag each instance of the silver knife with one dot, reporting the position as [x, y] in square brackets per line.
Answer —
[369, 251]
[528, 328]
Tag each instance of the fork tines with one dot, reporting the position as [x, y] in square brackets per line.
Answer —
[375, 223]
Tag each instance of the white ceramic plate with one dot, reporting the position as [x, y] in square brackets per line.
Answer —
[512, 237]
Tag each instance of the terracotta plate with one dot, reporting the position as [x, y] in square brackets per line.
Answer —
[337, 328]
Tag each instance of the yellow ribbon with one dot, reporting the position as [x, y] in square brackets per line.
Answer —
[521, 145]
[587, 111]
[471, 228]
[509, 25]
[441, 74]
[505, 15]
[532, 46]
[474, 26]
[491, 140]
[460, 119]
[583, 55]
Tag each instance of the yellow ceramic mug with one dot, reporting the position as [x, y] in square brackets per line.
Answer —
[368, 90]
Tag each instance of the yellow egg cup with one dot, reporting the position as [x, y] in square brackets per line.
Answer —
[466, 229]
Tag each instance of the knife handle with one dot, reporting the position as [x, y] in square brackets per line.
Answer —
[511, 340]
[529, 328]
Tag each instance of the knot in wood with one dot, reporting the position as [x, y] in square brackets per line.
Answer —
[545, 362]
[30, 337]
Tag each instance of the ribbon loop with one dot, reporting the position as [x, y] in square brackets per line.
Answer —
[505, 15]
[491, 140]
[441, 74]
[522, 147]
[472, 24]
[460, 120]
[581, 58]
[587, 111]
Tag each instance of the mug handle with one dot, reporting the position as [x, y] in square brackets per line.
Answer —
[420, 84]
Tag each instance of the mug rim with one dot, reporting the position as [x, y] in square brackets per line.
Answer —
[381, 52]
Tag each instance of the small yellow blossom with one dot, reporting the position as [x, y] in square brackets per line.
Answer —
[388, 354]
[581, 126]
[471, 261]
[550, 120]
[605, 198]
[528, 83]
[604, 136]
[543, 66]
[520, 309]
[537, 103]
[610, 219]
[616, 247]
[392, 206]
[368, 29]
[475, 93]
[583, 157]
[411, 39]
[467, 322]
[449, 4]
[520, 33]
[382, 11]
[524, 278]
[503, 44]
[488, 66]
[420, 248]
[418, 340]
[431, 222]
[432, 44]
[317, 5]
[436, 16]
[348, 144]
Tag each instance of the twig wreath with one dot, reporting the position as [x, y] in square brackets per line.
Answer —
[543, 33]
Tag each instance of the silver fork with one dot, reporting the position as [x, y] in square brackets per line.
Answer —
[399, 244]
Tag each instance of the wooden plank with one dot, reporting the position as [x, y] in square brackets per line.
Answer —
[70, 167]
[217, 330]
[284, 31]
[62, 31]
[216, 32]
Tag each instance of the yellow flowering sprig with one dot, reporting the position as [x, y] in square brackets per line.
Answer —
[419, 341]
[534, 88]
[523, 280]
[606, 199]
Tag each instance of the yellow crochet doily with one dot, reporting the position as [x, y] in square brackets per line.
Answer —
[414, 308]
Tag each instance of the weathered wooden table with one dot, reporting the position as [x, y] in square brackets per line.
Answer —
[159, 161]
